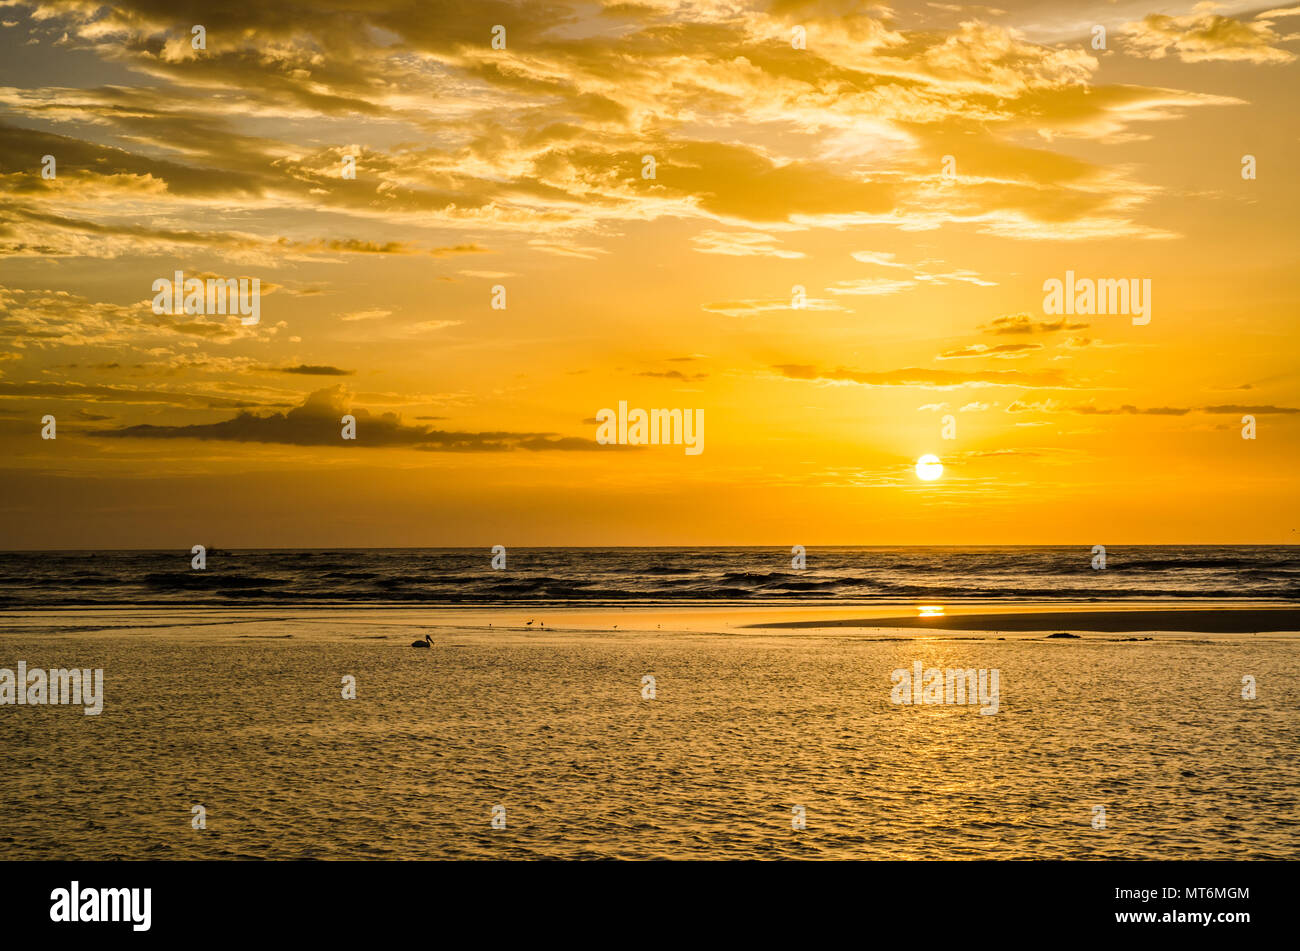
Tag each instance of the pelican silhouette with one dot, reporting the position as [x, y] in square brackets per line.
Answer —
[427, 642]
[529, 622]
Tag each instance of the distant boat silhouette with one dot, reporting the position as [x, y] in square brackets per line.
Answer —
[427, 642]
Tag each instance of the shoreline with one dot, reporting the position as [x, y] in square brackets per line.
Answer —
[735, 619]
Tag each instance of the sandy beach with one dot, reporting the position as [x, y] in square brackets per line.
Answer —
[241, 712]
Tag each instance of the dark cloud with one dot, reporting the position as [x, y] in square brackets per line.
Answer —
[318, 422]
[1253, 410]
[1024, 324]
[306, 369]
[674, 375]
[1130, 410]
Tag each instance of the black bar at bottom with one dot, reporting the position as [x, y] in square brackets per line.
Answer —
[620, 901]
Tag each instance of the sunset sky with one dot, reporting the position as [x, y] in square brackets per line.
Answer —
[821, 167]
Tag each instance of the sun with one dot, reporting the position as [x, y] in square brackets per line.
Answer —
[928, 468]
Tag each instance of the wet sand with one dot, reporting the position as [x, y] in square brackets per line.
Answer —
[736, 619]
[242, 712]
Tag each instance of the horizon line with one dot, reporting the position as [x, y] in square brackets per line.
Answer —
[780, 547]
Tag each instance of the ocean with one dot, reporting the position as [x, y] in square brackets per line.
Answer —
[647, 576]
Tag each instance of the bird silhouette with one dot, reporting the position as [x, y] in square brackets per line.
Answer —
[427, 642]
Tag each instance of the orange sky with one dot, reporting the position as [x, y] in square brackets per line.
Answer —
[776, 167]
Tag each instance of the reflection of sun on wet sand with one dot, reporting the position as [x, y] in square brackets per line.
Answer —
[507, 624]
[1199, 621]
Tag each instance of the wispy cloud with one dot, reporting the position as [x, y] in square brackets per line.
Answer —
[918, 377]
[1205, 36]
[742, 244]
[1002, 350]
